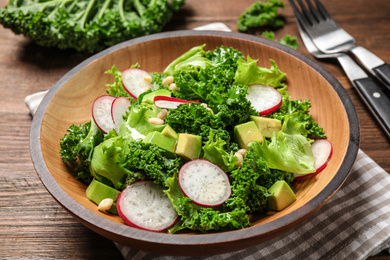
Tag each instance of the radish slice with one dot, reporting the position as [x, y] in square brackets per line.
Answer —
[119, 108]
[101, 113]
[170, 102]
[264, 99]
[204, 182]
[144, 205]
[133, 81]
[322, 151]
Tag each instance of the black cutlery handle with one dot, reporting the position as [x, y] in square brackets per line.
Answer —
[376, 100]
[383, 73]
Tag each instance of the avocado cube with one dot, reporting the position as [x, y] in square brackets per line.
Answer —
[168, 131]
[189, 146]
[98, 191]
[165, 142]
[247, 133]
[267, 126]
[282, 196]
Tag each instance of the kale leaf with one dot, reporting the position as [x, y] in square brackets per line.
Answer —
[301, 107]
[261, 14]
[86, 25]
[288, 40]
[77, 146]
[250, 182]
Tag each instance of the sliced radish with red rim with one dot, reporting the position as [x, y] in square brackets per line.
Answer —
[204, 183]
[101, 113]
[144, 205]
[134, 82]
[170, 102]
[264, 99]
[322, 151]
[119, 108]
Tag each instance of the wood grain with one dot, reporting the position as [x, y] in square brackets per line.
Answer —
[34, 225]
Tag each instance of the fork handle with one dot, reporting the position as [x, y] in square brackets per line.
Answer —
[376, 100]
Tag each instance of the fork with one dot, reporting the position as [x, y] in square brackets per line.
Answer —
[372, 95]
[329, 37]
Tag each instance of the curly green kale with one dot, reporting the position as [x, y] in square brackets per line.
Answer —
[261, 14]
[250, 182]
[77, 146]
[152, 161]
[193, 118]
[300, 107]
[213, 85]
[200, 218]
[287, 40]
[86, 25]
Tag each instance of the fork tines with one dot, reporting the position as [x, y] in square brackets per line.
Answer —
[316, 14]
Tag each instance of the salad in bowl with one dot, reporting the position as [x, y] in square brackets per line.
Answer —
[204, 146]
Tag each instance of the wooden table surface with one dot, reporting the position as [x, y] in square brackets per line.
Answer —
[32, 224]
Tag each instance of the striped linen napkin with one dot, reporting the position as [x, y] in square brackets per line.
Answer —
[353, 224]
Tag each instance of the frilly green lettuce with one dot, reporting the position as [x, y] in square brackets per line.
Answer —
[214, 152]
[193, 58]
[248, 73]
[289, 149]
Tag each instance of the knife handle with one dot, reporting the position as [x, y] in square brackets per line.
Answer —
[376, 100]
[376, 66]
[383, 73]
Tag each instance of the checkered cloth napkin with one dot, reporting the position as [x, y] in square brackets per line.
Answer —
[353, 224]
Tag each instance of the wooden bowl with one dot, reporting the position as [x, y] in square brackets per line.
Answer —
[70, 100]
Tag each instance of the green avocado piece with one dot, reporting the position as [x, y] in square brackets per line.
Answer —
[97, 191]
[267, 126]
[165, 142]
[246, 133]
[189, 146]
[168, 131]
[282, 196]
[149, 98]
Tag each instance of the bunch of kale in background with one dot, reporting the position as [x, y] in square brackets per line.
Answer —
[86, 25]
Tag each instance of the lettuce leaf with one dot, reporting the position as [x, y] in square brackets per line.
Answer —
[248, 73]
[193, 58]
[289, 149]
[137, 119]
[214, 152]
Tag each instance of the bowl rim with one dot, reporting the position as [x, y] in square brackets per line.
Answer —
[117, 230]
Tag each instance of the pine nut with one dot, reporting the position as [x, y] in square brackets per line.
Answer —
[168, 81]
[105, 204]
[148, 79]
[163, 113]
[173, 87]
[156, 121]
[242, 152]
[240, 159]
